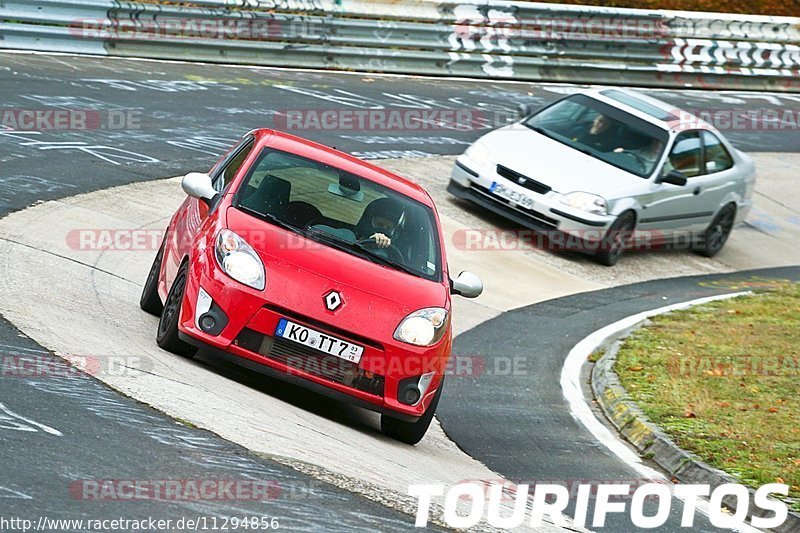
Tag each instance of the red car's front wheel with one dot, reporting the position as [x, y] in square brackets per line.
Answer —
[167, 336]
[411, 432]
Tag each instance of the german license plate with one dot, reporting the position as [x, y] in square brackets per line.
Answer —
[515, 197]
[319, 341]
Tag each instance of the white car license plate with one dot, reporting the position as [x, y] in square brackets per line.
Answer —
[516, 198]
[319, 341]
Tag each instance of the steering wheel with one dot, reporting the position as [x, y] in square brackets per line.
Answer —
[393, 253]
[640, 159]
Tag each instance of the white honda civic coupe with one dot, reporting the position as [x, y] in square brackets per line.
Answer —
[611, 168]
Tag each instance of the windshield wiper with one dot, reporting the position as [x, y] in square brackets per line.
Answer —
[583, 150]
[546, 133]
[269, 217]
[539, 130]
[360, 250]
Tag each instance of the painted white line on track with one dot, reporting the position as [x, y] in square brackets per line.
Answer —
[35, 424]
[580, 410]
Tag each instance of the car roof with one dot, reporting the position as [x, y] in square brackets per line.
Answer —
[645, 107]
[330, 156]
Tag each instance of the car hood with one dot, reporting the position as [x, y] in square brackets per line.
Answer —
[300, 272]
[562, 168]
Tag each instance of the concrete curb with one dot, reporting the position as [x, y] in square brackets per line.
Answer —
[649, 440]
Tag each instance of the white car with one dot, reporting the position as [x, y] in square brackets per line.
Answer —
[611, 168]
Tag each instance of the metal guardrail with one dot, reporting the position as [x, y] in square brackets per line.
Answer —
[504, 40]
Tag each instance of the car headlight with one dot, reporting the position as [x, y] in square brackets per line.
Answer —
[423, 328]
[478, 154]
[584, 201]
[239, 260]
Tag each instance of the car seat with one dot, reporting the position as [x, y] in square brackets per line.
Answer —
[302, 214]
[271, 196]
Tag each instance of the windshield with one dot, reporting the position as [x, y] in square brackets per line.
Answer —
[603, 132]
[343, 211]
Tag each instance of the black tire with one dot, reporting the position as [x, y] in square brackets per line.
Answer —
[411, 432]
[616, 239]
[150, 301]
[716, 235]
[167, 335]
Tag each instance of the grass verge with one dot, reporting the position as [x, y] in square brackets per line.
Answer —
[723, 381]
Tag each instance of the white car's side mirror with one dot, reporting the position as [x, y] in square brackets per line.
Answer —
[673, 177]
[524, 110]
[198, 185]
[467, 285]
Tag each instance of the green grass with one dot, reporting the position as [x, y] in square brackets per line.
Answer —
[723, 381]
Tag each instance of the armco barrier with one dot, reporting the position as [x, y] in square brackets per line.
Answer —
[504, 40]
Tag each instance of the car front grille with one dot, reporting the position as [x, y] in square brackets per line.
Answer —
[521, 179]
[310, 361]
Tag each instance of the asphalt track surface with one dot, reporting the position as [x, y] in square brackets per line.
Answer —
[523, 428]
[185, 116]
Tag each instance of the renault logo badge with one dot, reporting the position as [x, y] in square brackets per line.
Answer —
[333, 301]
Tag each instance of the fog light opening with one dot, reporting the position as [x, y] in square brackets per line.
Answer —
[207, 322]
[411, 395]
[410, 391]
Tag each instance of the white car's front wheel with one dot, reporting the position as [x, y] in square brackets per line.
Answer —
[616, 239]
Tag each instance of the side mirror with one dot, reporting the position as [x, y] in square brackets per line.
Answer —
[198, 185]
[673, 177]
[467, 285]
[524, 110]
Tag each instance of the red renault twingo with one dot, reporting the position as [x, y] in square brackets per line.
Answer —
[303, 262]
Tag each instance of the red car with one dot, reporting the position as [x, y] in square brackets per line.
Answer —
[303, 262]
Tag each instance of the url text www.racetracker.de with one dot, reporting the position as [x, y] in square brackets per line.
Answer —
[198, 523]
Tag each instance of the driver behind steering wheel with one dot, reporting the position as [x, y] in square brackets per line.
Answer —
[380, 221]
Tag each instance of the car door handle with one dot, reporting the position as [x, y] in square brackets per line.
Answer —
[696, 191]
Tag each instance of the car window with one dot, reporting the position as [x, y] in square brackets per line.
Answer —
[604, 132]
[313, 197]
[717, 156]
[686, 155]
[230, 167]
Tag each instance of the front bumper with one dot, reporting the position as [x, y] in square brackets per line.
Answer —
[248, 337]
[294, 379]
[548, 213]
